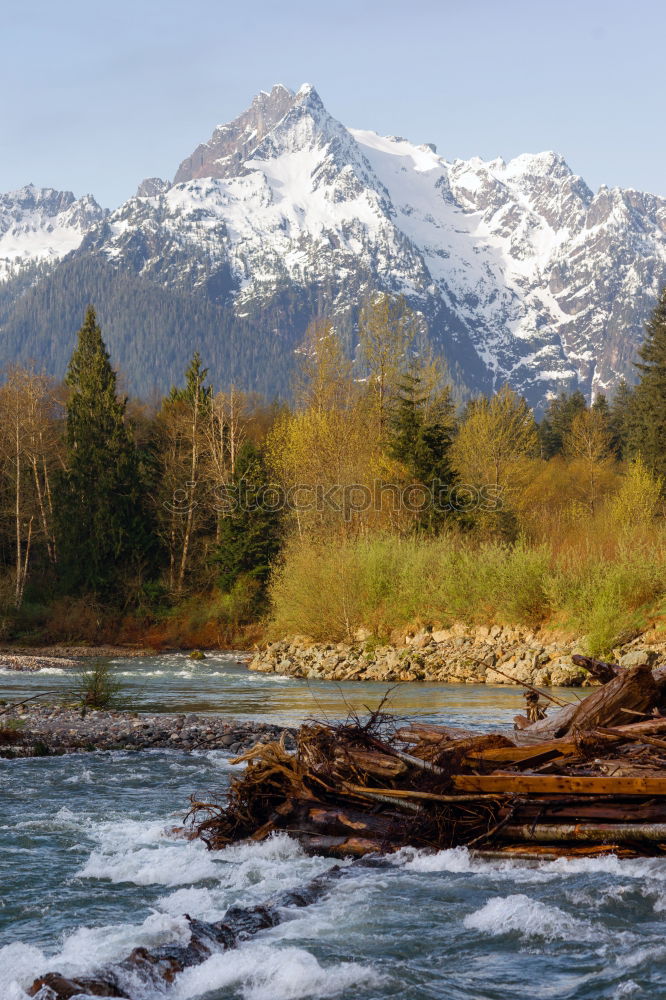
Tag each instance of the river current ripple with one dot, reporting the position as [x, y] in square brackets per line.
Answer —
[90, 868]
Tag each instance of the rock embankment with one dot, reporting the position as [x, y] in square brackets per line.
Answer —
[28, 731]
[458, 655]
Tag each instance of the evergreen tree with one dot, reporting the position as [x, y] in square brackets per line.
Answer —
[102, 527]
[648, 413]
[557, 421]
[620, 419]
[601, 407]
[250, 534]
[195, 393]
[422, 444]
[406, 422]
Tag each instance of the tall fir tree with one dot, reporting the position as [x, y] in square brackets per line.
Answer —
[195, 392]
[557, 420]
[620, 419]
[250, 534]
[421, 443]
[647, 435]
[103, 532]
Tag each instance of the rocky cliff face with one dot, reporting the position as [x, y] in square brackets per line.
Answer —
[231, 145]
[521, 273]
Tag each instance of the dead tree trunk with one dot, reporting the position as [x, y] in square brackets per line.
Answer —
[599, 669]
[630, 693]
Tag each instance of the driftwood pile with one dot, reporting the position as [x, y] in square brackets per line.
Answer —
[588, 777]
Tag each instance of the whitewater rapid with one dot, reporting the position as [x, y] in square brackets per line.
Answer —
[90, 868]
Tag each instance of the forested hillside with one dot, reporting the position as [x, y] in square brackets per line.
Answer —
[373, 501]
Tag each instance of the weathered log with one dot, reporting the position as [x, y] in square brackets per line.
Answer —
[599, 669]
[596, 833]
[634, 690]
[338, 847]
[616, 735]
[596, 809]
[552, 727]
[659, 674]
[372, 762]
[458, 749]
[418, 731]
[650, 727]
[423, 765]
[550, 852]
[340, 820]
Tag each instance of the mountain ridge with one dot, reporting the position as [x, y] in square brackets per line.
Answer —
[521, 273]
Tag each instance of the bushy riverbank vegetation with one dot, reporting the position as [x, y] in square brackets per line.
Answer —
[605, 589]
[375, 500]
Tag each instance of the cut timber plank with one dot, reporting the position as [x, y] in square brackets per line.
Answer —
[557, 784]
[519, 754]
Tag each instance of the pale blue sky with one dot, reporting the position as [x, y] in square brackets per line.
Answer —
[96, 96]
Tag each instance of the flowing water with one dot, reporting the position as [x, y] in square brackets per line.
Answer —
[90, 868]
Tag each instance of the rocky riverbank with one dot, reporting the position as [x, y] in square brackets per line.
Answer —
[30, 663]
[458, 655]
[29, 731]
[37, 657]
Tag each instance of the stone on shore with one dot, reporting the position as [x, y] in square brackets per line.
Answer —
[46, 730]
[455, 655]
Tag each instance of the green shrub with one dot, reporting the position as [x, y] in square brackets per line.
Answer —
[601, 590]
[95, 687]
[606, 599]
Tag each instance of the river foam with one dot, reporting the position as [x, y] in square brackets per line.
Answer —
[529, 918]
[264, 972]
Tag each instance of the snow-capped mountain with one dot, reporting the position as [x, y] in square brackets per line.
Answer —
[522, 274]
[42, 225]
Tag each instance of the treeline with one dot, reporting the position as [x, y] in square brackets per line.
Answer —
[149, 328]
[236, 506]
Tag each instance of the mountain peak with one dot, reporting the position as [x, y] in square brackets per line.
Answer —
[151, 187]
[42, 224]
[544, 164]
[230, 145]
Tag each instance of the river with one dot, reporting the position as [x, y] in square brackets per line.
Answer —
[89, 869]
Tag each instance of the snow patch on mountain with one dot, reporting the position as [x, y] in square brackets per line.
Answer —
[41, 224]
[520, 271]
